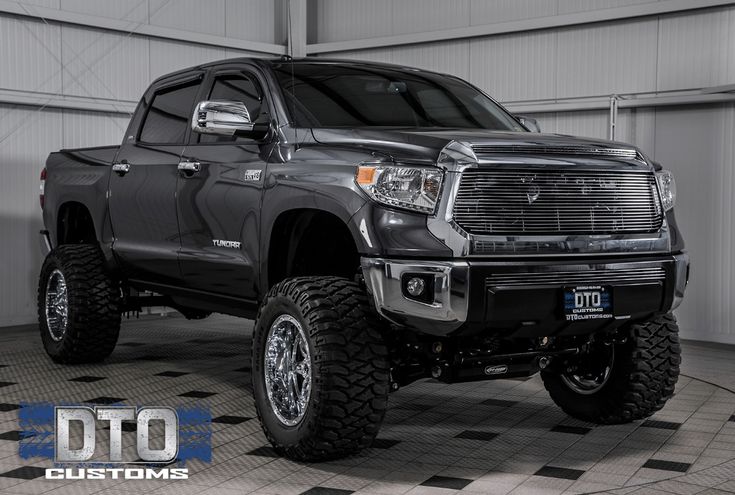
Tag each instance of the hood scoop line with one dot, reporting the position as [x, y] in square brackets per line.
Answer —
[531, 149]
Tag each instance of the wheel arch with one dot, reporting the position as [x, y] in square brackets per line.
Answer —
[75, 224]
[324, 237]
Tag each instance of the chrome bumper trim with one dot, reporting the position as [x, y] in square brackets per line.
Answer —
[451, 289]
[682, 279]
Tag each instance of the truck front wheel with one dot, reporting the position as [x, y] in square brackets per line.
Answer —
[618, 383]
[320, 368]
[78, 305]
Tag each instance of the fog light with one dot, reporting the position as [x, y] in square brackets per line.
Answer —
[416, 286]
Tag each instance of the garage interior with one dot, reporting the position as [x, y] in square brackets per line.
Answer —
[656, 74]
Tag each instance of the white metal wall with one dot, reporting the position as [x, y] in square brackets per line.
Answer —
[48, 60]
[54, 61]
[675, 52]
[682, 51]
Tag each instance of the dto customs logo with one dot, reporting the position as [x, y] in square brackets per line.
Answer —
[115, 416]
[89, 442]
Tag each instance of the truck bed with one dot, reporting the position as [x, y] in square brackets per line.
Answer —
[80, 176]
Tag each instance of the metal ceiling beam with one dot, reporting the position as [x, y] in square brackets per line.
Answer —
[297, 28]
[143, 29]
[49, 100]
[661, 7]
[725, 88]
[603, 103]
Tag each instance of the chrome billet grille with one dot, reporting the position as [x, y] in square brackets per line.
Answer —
[551, 202]
[632, 276]
[625, 153]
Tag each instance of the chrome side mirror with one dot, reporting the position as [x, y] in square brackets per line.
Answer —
[221, 117]
[529, 123]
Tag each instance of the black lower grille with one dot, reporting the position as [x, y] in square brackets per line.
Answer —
[512, 201]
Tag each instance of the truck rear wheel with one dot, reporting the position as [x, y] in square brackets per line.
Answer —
[619, 383]
[78, 305]
[320, 368]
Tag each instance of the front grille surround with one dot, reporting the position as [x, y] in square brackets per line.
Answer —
[544, 201]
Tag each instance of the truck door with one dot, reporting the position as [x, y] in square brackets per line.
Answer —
[219, 202]
[143, 183]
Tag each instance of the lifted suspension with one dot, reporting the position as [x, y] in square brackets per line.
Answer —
[464, 359]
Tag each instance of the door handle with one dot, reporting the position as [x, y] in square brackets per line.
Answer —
[190, 168]
[121, 168]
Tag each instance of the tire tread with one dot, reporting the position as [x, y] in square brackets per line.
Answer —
[645, 378]
[94, 305]
[352, 393]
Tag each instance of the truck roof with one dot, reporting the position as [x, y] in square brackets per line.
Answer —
[270, 61]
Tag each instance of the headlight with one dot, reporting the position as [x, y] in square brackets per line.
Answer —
[412, 188]
[666, 189]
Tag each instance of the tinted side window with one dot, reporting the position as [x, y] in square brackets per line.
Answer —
[169, 114]
[238, 88]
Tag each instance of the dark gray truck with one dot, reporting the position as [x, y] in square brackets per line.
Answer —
[381, 224]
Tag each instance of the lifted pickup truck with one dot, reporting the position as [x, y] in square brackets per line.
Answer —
[382, 224]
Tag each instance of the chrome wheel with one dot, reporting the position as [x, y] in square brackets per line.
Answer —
[287, 369]
[57, 305]
[593, 373]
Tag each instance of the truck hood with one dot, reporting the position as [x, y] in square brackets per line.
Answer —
[425, 145]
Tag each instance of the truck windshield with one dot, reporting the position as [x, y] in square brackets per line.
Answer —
[332, 95]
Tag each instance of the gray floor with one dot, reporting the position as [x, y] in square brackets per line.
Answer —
[489, 437]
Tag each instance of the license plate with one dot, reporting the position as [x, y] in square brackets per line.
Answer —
[587, 302]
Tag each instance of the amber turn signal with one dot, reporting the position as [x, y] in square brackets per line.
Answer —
[365, 175]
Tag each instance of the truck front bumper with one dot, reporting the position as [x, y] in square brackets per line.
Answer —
[522, 298]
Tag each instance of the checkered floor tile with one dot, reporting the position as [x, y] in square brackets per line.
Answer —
[494, 437]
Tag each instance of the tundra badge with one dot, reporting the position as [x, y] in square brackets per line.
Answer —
[226, 244]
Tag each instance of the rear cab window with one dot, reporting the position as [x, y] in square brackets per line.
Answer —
[169, 114]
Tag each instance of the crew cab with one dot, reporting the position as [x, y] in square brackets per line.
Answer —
[381, 224]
